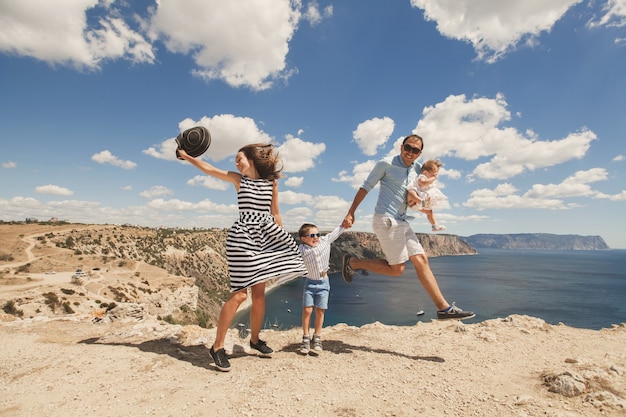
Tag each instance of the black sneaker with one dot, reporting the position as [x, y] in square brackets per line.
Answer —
[346, 272]
[454, 312]
[261, 346]
[220, 359]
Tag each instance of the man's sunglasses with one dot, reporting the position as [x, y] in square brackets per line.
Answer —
[411, 149]
[312, 235]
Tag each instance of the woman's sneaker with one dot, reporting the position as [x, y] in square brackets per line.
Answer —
[305, 347]
[261, 346]
[220, 359]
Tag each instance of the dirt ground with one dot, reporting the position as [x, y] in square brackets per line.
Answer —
[73, 365]
[503, 367]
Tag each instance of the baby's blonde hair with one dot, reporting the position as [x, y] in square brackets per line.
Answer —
[431, 164]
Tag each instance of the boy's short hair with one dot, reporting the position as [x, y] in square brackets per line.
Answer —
[305, 228]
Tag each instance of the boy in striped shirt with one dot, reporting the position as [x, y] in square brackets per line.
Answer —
[315, 250]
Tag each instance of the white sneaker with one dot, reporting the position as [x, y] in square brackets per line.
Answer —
[317, 343]
[305, 347]
[438, 228]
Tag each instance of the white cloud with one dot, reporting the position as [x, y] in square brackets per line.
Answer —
[450, 173]
[359, 174]
[299, 212]
[294, 182]
[332, 203]
[53, 190]
[325, 211]
[576, 185]
[298, 155]
[618, 158]
[613, 14]
[472, 128]
[618, 197]
[17, 205]
[373, 134]
[314, 15]
[9, 164]
[291, 197]
[229, 133]
[201, 206]
[56, 32]
[545, 196]
[156, 191]
[494, 27]
[209, 182]
[107, 158]
[504, 197]
[156, 213]
[244, 42]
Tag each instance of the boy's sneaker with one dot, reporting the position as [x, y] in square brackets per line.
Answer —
[438, 227]
[261, 346]
[346, 272]
[305, 347]
[454, 312]
[317, 343]
[220, 359]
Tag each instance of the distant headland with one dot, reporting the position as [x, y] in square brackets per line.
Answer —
[538, 241]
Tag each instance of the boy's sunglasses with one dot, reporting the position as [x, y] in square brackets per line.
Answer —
[411, 149]
[312, 235]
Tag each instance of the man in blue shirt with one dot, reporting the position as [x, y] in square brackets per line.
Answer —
[397, 240]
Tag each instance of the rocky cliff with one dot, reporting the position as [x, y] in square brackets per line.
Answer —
[538, 241]
[365, 245]
[136, 265]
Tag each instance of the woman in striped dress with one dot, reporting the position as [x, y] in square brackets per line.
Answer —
[258, 249]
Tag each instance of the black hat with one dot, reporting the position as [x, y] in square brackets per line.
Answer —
[194, 141]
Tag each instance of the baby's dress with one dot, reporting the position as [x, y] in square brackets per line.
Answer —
[257, 248]
[431, 195]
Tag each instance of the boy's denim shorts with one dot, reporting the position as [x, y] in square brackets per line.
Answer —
[316, 292]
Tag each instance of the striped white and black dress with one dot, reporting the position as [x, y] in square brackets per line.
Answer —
[258, 249]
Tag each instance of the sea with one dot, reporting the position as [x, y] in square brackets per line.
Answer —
[583, 289]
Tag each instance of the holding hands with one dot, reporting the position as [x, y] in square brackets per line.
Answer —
[347, 221]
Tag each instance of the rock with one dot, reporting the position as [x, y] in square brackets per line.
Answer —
[566, 384]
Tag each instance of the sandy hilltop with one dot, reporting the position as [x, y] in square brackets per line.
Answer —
[79, 356]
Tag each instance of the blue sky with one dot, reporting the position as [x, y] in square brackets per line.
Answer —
[523, 101]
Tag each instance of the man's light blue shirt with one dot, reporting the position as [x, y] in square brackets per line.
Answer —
[394, 177]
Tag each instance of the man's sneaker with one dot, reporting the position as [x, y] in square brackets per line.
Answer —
[346, 272]
[454, 312]
[438, 227]
[317, 343]
[220, 359]
[305, 347]
[261, 346]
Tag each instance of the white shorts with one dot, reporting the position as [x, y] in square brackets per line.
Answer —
[396, 238]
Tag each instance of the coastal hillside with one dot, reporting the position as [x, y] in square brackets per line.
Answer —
[117, 320]
[121, 265]
[536, 241]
